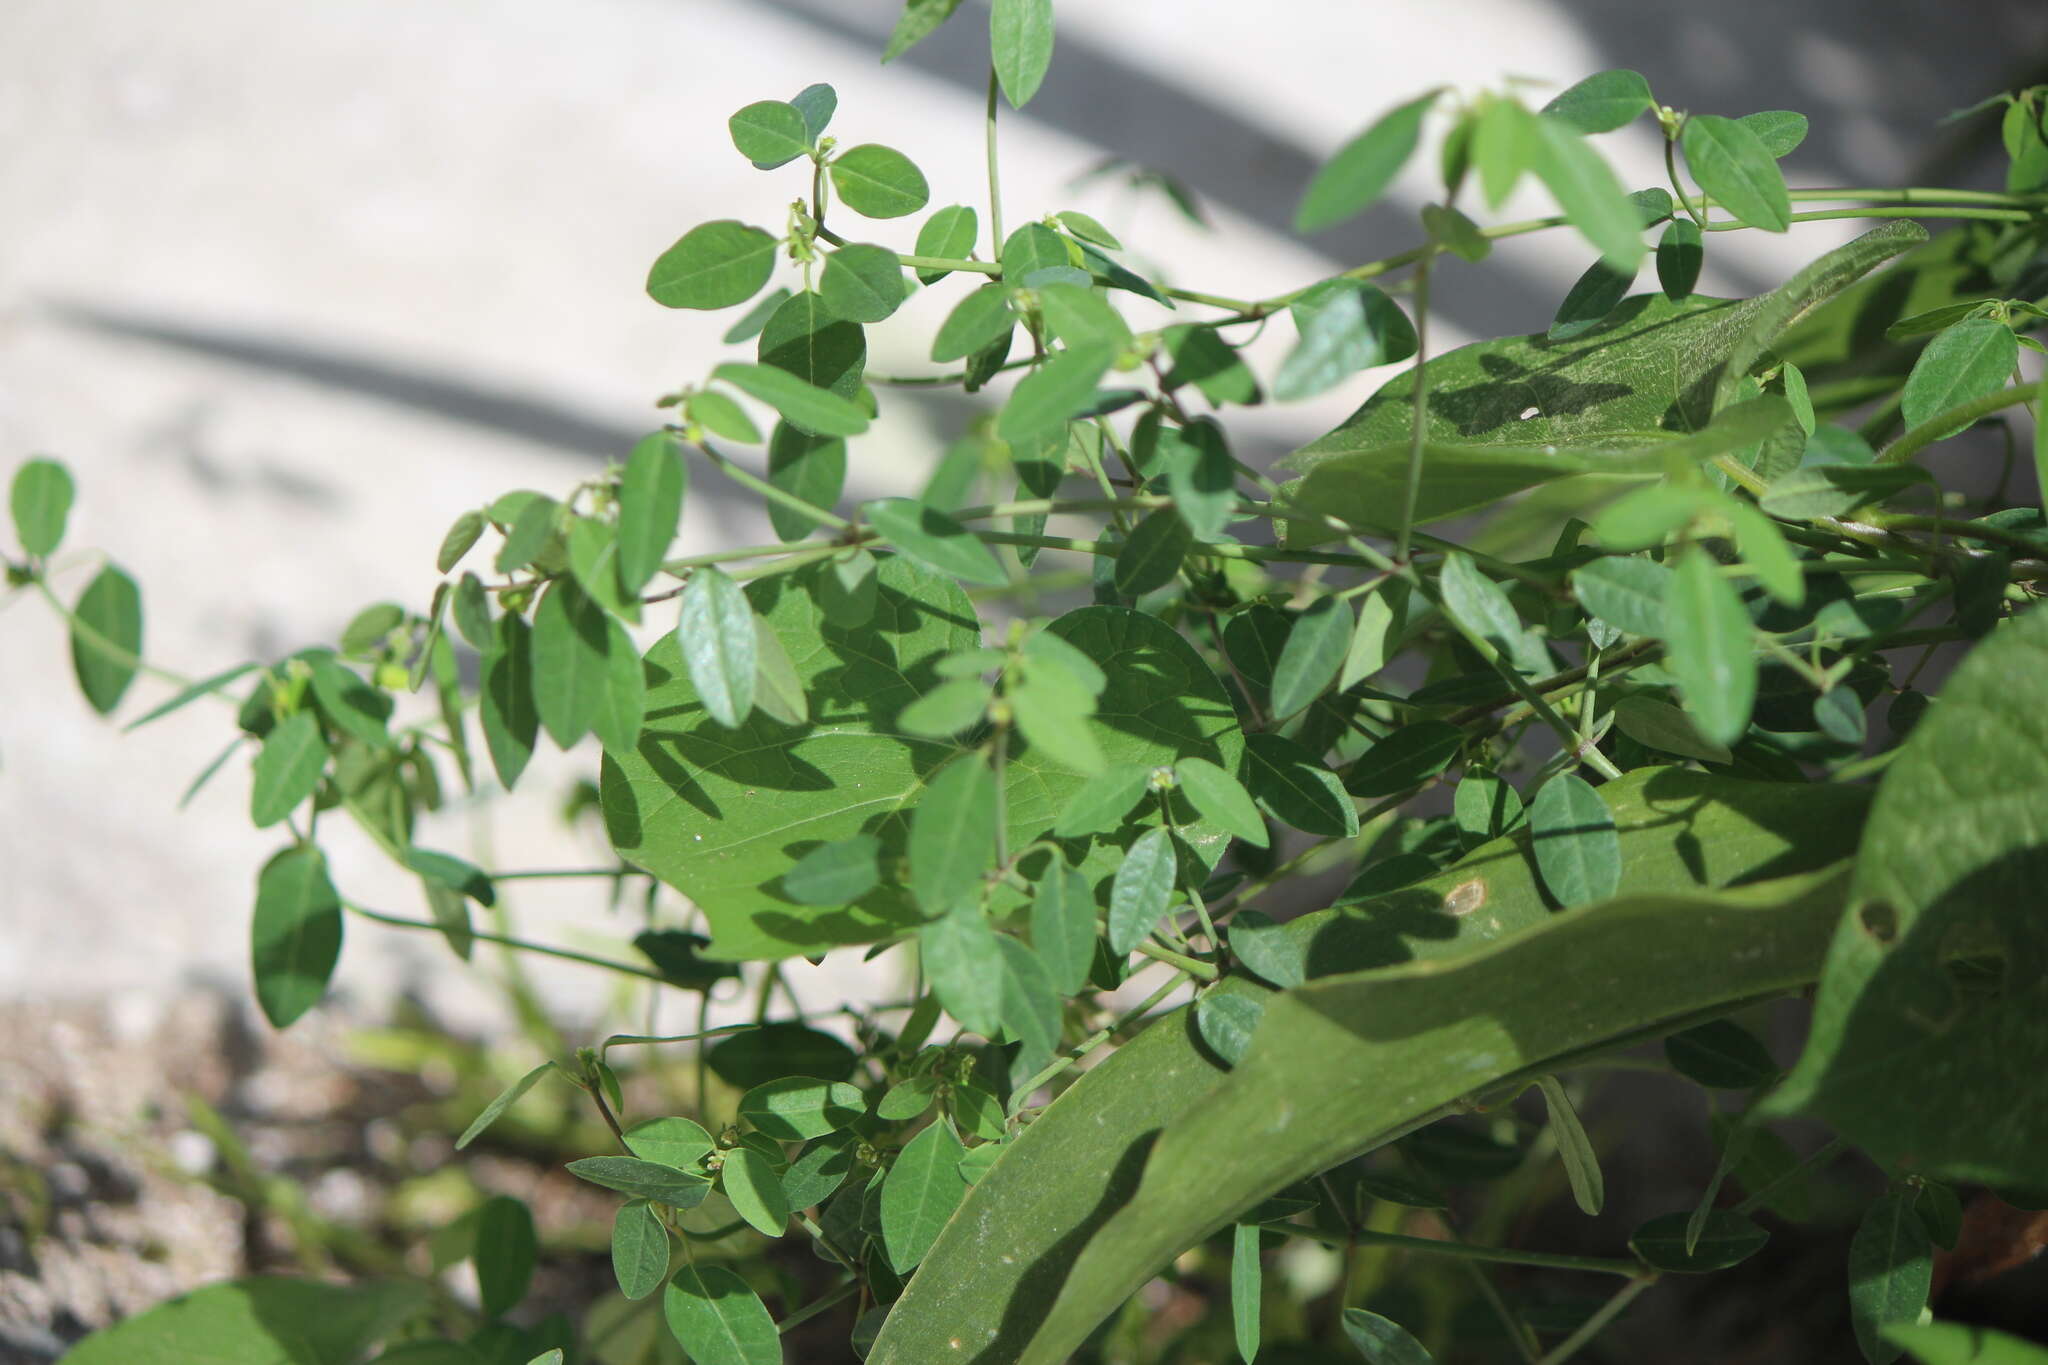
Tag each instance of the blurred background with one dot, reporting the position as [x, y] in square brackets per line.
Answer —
[291, 286]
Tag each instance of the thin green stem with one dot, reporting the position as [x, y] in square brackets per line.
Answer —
[819, 1305]
[1546, 1260]
[506, 940]
[995, 181]
[1696, 213]
[1194, 967]
[1595, 1325]
[947, 263]
[550, 873]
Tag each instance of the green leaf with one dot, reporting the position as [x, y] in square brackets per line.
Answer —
[1591, 299]
[642, 1179]
[504, 1100]
[622, 706]
[1045, 400]
[1052, 710]
[1891, 1268]
[1382, 1341]
[935, 540]
[1246, 1289]
[1031, 249]
[908, 1099]
[1585, 188]
[530, 520]
[1780, 130]
[1020, 35]
[457, 874]
[1479, 604]
[640, 1249]
[510, 719]
[713, 265]
[952, 835]
[1201, 476]
[755, 1191]
[650, 506]
[1203, 358]
[1833, 490]
[1969, 360]
[1227, 1022]
[106, 638]
[1710, 648]
[770, 133]
[1222, 798]
[980, 318]
[863, 283]
[1625, 592]
[1955, 1343]
[295, 938]
[1346, 326]
[1936, 968]
[1766, 554]
[716, 631]
[1266, 950]
[1080, 315]
[879, 182]
[1088, 229]
[806, 339]
[1100, 804]
[1363, 168]
[778, 690]
[1602, 102]
[965, 965]
[1485, 807]
[804, 406]
[1142, 887]
[1504, 145]
[918, 20]
[1722, 1055]
[718, 1319]
[288, 768]
[1407, 758]
[754, 319]
[820, 1169]
[1574, 1148]
[472, 612]
[186, 696]
[1731, 163]
[1063, 926]
[1152, 557]
[1725, 1239]
[1295, 789]
[948, 234]
[1680, 254]
[947, 709]
[1459, 234]
[835, 874]
[1317, 644]
[505, 1249]
[570, 661]
[1030, 1011]
[920, 1193]
[1573, 835]
[1659, 725]
[798, 1108]
[817, 103]
[262, 1320]
[40, 499]
[812, 468]
[672, 1141]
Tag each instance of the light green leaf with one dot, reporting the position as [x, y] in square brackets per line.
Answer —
[1063, 926]
[1247, 1289]
[1142, 887]
[964, 963]
[570, 661]
[1765, 553]
[1504, 145]
[1152, 557]
[505, 1249]
[288, 768]
[935, 540]
[879, 182]
[953, 835]
[295, 938]
[593, 560]
[504, 1100]
[908, 1099]
[1309, 662]
[40, 499]
[755, 1190]
[1955, 1343]
[1937, 968]
[1585, 188]
[916, 23]
[1051, 395]
[1100, 804]
[1459, 234]
[1969, 360]
[1363, 168]
[713, 265]
[1032, 248]
[1833, 490]
[261, 1320]
[640, 1249]
[1659, 725]
[947, 709]
[1710, 648]
[778, 691]
[641, 1179]
[1081, 315]
[1020, 36]
[980, 318]
[1382, 1341]
[769, 133]
[533, 519]
[1625, 592]
[716, 632]
[754, 319]
[1479, 604]
[948, 234]
[650, 505]
[1222, 798]
[863, 283]
[835, 874]
[106, 638]
[718, 1319]
[1226, 1022]
[920, 1193]
[1088, 229]
[1891, 1268]
[472, 612]
[1731, 163]
[1052, 709]
[1780, 130]
[1573, 836]
[798, 1108]
[1574, 1148]
[1346, 326]
[1602, 102]
[805, 406]
[672, 1141]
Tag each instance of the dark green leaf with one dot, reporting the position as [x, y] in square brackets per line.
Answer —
[818, 411]
[640, 1249]
[1266, 950]
[1709, 648]
[817, 103]
[533, 519]
[863, 283]
[1222, 798]
[1296, 789]
[1152, 557]
[472, 612]
[980, 318]
[1459, 234]
[918, 20]
[40, 499]
[920, 1193]
[1063, 926]
[716, 630]
[1382, 1341]
[1363, 168]
[835, 874]
[770, 133]
[622, 706]
[1405, 759]
[1203, 358]
[812, 468]
[1726, 1239]
[1201, 476]
[1485, 807]
[570, 661]
[805, 339]
[1680, 254]
[642, 1179]
[106, 638]
[1969, 360]
[713, 265]
[650, 505]
[457, 874]
[1020, 34]
[879, 182]
[294, 755]
[1593, 297]
[1247, 1289]
[1227, 1022]
[1602, 102]
[1572, 833]
[948, 234]
[1731, 163]
[678, 956]
[505, 1250]
[935, 540]
[509, 718]
[1722, 1055]
[1142, 887]
[718, 1319]
[295, 939]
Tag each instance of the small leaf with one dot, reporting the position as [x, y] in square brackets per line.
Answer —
[1246, 1289]
[817, 103]
[947, 709]
[640, 1249]
[1817, 490]
[1063, 926]
[295, 938]
[650, 505]
[1459, 234]
[1222, 799]
[820, 1169]
[1726, 1239]
[1376, 637]
[1100, 804]
[1625, 592]
[1891, 1268]
[1081, 315]
[1574, 1148]
[879, 182]
[1504, 145]
[755, 1191]
[948, 234]
[1382, 1341]
[802, 405]
[1780, 130]
[1152, 557]
[532, 525]
[622, 707]
[811, 468]
[1201, 476]
[754, 319]
[907, 1099]
[798, 1108]
[287, 769]
[672, 1141]
[1227, 1022]
[186, 696]
[504, 1100]
[1484, 807]
[769, 133]
[1956, 1343]
[1203, 358]
[1267, 951]
[1591, 299]
[965, 966]
[1572, 835]
[640, 1179]
[981, 317]
[716, 632]
[1602, 102]
[918, 20]
[1585, 188]
[505, 1249]
[1317, 643]
[1031, 249]
[1968, 361]
[1020, 34]
[920, 1193]
[1052, 710]
[1680, 254]
[1139, 893]
[935, 540]
[1405, 759]
[953, 834]
[1721, 1055]
[778, 688]
[835, 874]
[1045, 400]
[1088, 230]
[1709, 648]
[457, 874]
[570, 663]
[1659, 725]
[40, 499]
[1732, 164]
[1346, 326]
[1296, 789]
[509, 718]
[713, 265]
[472, 612]
[1363, 168]
[106, 638]
[1479, 604]
[718, 1319]
[863, 283]
[1030, 1012]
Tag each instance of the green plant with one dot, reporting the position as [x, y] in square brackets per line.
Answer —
[1642, 675]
